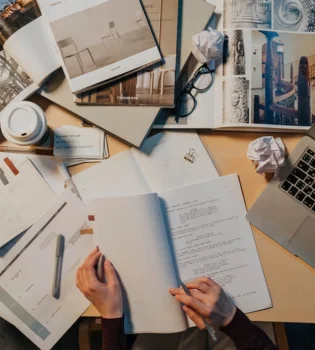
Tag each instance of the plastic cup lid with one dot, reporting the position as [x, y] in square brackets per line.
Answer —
[23, 123]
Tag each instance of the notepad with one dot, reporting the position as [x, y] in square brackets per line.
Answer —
[155, 239]
[24, 198]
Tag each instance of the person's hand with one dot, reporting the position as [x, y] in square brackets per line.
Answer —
[106, 297]
[209, 300]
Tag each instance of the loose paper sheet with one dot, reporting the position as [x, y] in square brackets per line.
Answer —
[23, 200]
[136, 243]
[212, 237]
[25, 293]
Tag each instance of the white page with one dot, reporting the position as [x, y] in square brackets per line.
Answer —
[130, 232]
[137, 173]
[24, 199]
[115, 177]
[53, 171]
[162, 162]
[29, 282]
[32, 47]
[212, 237]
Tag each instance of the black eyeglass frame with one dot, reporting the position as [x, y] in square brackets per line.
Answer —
[191, 85]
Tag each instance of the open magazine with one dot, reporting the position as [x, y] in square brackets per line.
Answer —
[266, 79]
[27, 57]
[94, 42]
[100, 40]
[156, 85]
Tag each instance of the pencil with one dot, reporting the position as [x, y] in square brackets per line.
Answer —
[209, 328]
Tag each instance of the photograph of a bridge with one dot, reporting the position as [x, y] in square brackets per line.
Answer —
[247, 14]
[283, 78]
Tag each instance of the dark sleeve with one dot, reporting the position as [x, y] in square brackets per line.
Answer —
[246, 335]
[113, 334]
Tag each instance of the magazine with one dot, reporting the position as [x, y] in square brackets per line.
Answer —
[100, 40]
[266, 78]
[27, 57]
[155, 86]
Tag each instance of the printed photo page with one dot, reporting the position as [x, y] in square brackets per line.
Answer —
[268, 71]
[156, 85]
[27, 55]
[100, 41]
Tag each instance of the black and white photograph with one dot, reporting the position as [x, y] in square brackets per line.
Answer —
[156, 85]
[294, 15]
[237, 48]
[102, 35]
[235, 101]
[247, 14]
[13, 81]
[15, 14]
[283, 78]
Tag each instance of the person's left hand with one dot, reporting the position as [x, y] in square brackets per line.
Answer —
[106, 297]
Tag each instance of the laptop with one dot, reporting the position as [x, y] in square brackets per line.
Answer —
[286, 209]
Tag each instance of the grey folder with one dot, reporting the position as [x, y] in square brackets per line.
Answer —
[131, 124]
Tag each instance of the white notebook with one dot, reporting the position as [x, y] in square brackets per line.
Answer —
[159, 166]
[194, 231]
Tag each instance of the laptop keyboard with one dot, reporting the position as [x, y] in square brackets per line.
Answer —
[300, 184]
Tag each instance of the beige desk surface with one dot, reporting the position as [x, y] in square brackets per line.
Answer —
[291, 282]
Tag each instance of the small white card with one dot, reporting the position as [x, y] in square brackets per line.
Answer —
[75, 142]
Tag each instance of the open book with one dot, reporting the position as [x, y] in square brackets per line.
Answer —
[265, 81]
[27, 56]
[155, 86]
[153, 240]
[94, 42]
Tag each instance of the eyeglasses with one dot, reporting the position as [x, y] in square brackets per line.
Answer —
[186, 102]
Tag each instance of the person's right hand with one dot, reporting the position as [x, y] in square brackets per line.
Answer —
[106, 297]
[209, 300]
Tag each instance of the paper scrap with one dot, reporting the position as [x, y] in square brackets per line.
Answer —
[11, 166]
[268, 154]
[208, 45]
[87, 231]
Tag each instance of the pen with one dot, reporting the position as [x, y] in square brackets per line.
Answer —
[58, 266]
[209, 328]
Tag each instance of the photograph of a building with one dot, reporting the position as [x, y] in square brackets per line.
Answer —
[15, 14]
[283, 78]
[102, 35]
[247, 14]
[12, 80]
[154, 86]
[294, 15]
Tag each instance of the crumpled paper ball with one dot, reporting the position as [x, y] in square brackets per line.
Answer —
[208, 45]
[268, 154]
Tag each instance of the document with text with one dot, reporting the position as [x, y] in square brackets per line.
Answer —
[197, 230]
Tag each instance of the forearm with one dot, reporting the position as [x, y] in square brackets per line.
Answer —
[113, 334]
[246, 335]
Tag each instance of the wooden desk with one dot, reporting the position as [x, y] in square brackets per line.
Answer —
[291, 282]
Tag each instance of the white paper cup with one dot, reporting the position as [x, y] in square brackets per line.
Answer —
[24, 124]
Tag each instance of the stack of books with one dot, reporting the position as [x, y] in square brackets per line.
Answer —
[121, 53]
